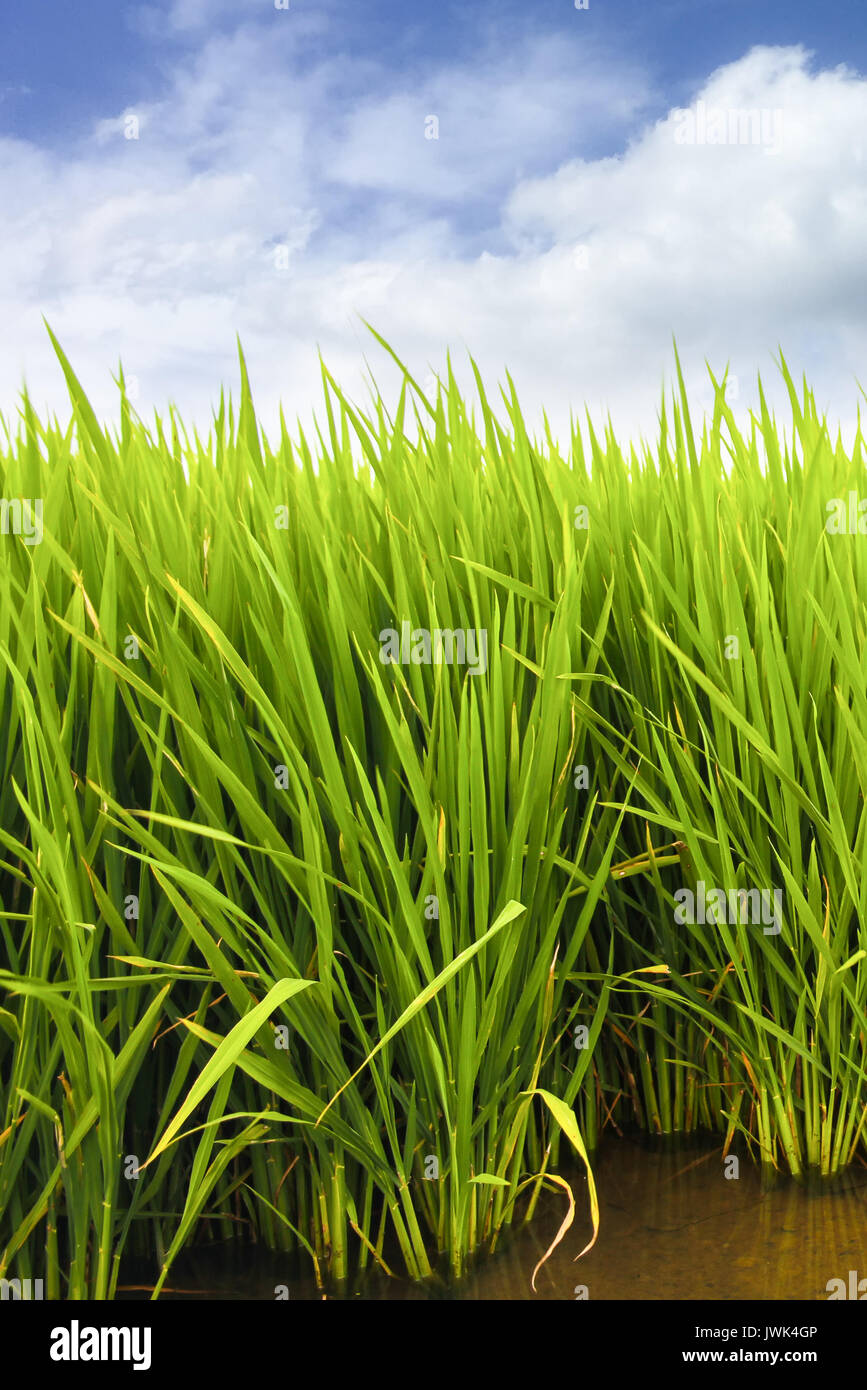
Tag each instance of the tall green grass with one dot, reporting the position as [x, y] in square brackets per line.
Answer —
[296, 944]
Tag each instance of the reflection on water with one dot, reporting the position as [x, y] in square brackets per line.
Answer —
[672, 1227]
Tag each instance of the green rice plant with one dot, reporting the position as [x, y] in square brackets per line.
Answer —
[752, 755]
[308, 946]
[232, 794]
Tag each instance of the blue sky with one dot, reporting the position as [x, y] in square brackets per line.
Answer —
[101, 53]
[174, 173]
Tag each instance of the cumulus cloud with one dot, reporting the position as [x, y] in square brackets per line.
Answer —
[284, 199]
[737, 247]
[483, 122]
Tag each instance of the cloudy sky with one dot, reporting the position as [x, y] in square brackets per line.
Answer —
[555, 190]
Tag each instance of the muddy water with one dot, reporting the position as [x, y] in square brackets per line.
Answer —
[673, 1227]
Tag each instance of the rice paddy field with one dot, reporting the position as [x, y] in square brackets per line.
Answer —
[390, 812]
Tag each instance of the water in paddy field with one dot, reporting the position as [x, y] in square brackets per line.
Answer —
[672, 1227]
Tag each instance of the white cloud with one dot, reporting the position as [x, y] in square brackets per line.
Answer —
[524, 108]
[160, 250]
